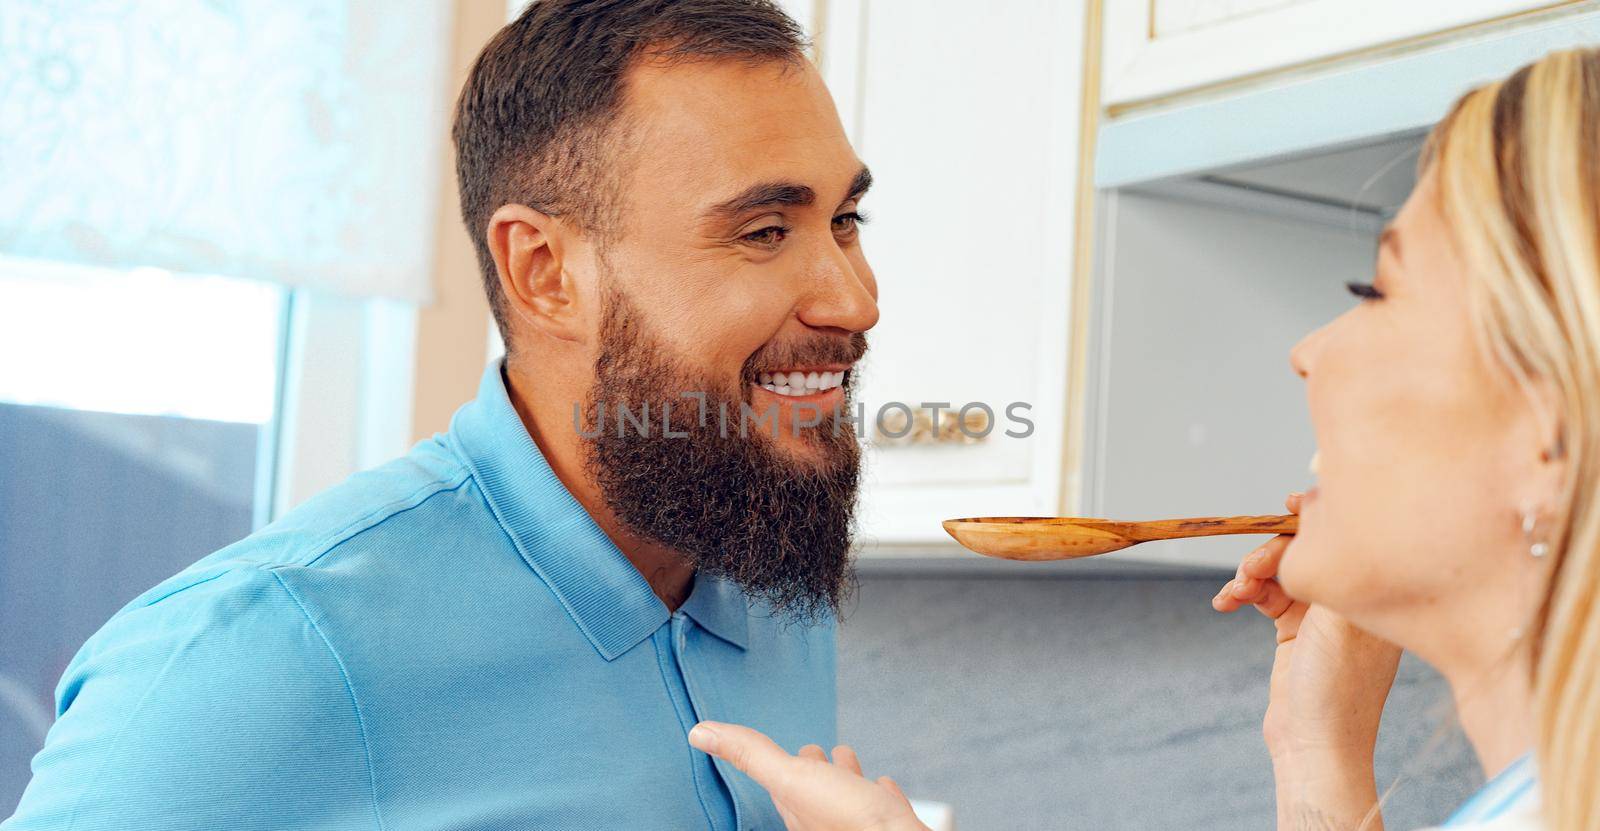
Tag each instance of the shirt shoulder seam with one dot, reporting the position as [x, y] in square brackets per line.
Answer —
[349, 688]
[328, 542]
[377, 516]
[187, 586]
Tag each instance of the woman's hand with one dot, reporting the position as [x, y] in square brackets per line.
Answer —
[1325, 699]
[811, 793]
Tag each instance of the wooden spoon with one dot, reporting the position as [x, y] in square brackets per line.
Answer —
[1066, 538]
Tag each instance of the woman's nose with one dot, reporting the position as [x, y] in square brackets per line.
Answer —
[1304, 353]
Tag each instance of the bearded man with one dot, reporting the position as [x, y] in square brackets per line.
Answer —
[642, 521]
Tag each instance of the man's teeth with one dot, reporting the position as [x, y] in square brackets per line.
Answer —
[800, 383]
[1316, 462]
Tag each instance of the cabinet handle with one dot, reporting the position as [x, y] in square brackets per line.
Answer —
[892, 429]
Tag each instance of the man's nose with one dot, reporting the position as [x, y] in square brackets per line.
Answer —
[842, 296]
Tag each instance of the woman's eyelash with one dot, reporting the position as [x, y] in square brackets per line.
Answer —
[1365, 291]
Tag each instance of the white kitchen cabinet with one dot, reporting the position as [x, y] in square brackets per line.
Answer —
[970, 123]
[1158, 49]
[1226, 228]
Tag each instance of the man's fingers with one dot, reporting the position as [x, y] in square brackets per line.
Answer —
[890, 786]
[812, 751]
[748, 750]
[845, 756]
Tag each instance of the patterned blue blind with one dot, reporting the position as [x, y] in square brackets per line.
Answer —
[297, 141]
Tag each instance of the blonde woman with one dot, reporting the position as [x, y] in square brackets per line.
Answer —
[1457, 411]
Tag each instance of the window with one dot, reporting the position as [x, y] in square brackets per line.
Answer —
[137, 424]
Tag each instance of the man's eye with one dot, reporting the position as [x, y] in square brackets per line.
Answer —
[850, 222]
[770, 235]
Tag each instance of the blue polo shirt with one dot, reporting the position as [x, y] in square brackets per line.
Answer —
[445, 642]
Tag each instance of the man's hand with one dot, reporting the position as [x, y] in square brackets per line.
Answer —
[810, 793]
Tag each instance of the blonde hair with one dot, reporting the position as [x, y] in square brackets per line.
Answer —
[1518, 166]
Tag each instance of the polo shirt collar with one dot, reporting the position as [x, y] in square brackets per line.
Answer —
[608, 599]
[721, 608]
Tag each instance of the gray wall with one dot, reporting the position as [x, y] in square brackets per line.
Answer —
[1102, 703]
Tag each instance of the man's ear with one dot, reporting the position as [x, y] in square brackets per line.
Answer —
[529, 250]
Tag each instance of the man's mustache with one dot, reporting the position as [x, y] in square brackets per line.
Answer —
[813, 350]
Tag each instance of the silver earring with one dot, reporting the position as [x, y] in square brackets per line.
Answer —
[1530, 523]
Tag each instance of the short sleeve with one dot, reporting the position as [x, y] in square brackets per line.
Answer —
[219, 705]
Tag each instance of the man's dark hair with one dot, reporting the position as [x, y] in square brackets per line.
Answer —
[536, 123]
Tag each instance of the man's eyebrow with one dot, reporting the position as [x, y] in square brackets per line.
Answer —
[763, 195]
[781, 194]
[860, 184]
[1391, 238]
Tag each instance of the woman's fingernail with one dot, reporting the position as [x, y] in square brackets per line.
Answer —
[703, 737]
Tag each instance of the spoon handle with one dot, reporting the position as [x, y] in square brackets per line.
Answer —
[1171, 529]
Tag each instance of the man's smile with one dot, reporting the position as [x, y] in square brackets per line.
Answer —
[803, 381]
[822, 385]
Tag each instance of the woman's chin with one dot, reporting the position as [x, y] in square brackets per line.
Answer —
[1303, 560]
[1306, 562]
[1312, 569]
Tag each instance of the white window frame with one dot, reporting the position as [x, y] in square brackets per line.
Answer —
[345, 395]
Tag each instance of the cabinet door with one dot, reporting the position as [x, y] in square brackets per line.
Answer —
[969, 122]
[1160, 48]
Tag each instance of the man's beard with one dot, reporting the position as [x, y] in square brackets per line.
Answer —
[731, 504]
